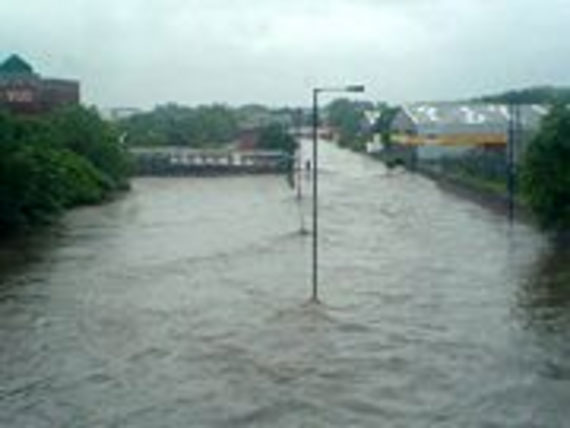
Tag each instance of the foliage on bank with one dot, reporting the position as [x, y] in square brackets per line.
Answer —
[54, 162]
[546, 171]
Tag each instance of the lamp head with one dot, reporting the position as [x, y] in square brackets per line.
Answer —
[355, 88]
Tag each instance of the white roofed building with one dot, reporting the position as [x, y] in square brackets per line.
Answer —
[447, 128]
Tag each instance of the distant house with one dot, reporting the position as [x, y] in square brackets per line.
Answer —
[369, 120]
[447, 129]
[24, 91]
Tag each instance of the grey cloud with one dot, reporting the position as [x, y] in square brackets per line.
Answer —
[136, 52]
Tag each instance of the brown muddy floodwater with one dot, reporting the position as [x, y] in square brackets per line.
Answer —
[184, 304]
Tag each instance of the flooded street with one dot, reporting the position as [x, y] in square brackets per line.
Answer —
[184, 303]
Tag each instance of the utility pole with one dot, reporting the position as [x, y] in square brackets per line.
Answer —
[298, 175]
[314, 295]
[513, 141]
[299, 152]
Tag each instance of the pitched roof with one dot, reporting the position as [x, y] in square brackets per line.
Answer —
[448, 117]
[15, 65]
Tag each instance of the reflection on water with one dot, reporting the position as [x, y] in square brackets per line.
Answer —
[546, 293]
[184, 304]
[544, 308]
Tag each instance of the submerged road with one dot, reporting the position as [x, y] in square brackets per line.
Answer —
[184, 304]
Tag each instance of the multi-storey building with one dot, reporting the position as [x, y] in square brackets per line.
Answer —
[24, 91]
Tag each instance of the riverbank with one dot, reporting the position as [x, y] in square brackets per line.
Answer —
[47, 224]
[489, 193]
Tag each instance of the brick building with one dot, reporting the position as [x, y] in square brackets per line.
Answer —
[24, 91]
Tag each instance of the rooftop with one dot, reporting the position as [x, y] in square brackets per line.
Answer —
[451, 117]
[15, 65]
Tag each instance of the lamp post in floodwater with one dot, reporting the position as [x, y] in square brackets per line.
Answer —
[316, 92]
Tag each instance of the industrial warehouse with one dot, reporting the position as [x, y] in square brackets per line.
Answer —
[449, 128]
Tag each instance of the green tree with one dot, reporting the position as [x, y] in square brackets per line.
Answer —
[276, 137]
[384, 123]
[82, 131]
[546, 170]
[175, 125]
[50, 163]
[532, 95]
[344, 115]
[347, 117]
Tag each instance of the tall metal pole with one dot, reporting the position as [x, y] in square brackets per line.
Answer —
[298, 177]
[512, 139]
[298, 180]
[514, 154]
[315, 295]
[299, 155]
[316, 91]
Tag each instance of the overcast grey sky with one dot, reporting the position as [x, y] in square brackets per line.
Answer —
[143, 52]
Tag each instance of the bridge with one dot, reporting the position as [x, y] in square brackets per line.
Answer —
[174, 161]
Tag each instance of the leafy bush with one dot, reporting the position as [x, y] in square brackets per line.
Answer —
[48, 164]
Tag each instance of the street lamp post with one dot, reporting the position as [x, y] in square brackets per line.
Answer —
[316, 92]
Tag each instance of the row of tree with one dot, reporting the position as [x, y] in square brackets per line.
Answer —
[216, 125]
[533, 95]
[175, 125]
[203, 126]
[53, 162]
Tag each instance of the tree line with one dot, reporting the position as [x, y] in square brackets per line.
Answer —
[533, 95]
[175, 125]
[217, 125]
[209, 126]
[56, 161]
